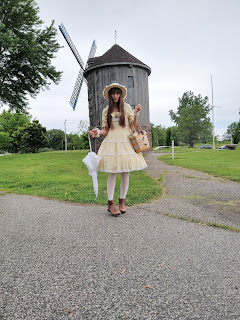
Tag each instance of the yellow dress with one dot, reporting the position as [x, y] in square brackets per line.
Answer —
[116, 151]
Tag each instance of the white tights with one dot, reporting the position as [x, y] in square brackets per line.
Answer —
[112, 182]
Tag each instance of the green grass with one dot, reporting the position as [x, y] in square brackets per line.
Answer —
[221, 163]
[63, 176]
[202, 223]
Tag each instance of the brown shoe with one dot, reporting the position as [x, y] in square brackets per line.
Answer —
[112, 208]
[122, 206]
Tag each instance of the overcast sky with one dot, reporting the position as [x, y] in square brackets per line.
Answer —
[183, 41]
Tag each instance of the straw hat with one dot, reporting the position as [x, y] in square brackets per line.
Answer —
[114, 85]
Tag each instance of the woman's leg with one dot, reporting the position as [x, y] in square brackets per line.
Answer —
[124, 184]
[111, 185]
[110, 189]
[123, 191]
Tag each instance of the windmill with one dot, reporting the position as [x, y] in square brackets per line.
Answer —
[80, 78]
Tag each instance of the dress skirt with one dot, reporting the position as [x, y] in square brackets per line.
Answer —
[117, 153]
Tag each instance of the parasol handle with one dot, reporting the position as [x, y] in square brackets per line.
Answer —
[93, 143]
[90, 145]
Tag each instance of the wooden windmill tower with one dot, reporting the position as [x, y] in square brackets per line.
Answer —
[115, 65]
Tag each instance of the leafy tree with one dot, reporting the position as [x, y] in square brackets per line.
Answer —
[233, 131]
[84, 142]
[26, 53]
[31, 137]
[192, 117]
[158, 135]
[74, 141]
[5, 141]
[236, 135]
[175, 135]
[55, 138]
[11, 122]
[168, 137]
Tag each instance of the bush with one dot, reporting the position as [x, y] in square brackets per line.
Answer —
[45, 149]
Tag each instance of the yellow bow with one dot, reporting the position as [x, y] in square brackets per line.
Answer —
[116, 114]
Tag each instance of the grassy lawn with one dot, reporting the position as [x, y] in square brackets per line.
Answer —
[63, 176]
[222, 163]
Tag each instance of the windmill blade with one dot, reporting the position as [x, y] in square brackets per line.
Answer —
[71, 45]
[77, 89]
[80, 78]
[92, 52]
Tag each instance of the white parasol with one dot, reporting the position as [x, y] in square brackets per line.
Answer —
[92, 161]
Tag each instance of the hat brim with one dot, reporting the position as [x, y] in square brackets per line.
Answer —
[114, 85]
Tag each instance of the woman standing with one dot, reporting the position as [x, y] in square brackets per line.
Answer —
[116, 151]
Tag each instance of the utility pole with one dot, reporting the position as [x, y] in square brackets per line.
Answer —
[65, 122]
[213, 134]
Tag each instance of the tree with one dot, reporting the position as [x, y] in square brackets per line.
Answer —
[56, 138]
[31, 137]
[233, 131]
[236, 135]
[26, 53]
[191, 117]
[168, 137]
[84, 142]
[158, 135]
[5, 141]
[11, 122]
[175, 135]
[77, 142]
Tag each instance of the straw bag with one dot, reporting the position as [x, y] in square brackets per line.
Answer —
[139, 139]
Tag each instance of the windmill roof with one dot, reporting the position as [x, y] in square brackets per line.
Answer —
[115, 55]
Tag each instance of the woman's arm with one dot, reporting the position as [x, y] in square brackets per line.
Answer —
[136, 113]
[96, 132]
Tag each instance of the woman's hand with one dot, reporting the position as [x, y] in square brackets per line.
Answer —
[93, 133]
[96, 132]
[138, 108]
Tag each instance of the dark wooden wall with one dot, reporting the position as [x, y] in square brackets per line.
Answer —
[99, 78]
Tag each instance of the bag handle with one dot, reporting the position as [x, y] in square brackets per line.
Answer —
[137, 126]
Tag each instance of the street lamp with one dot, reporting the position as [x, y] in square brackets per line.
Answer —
[213, 116]
[65, 122]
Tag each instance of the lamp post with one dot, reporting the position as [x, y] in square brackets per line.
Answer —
[213, 134]
[65, 125]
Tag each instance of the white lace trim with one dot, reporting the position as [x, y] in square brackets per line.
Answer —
[116, 141]
[124, 170]
[115, 155]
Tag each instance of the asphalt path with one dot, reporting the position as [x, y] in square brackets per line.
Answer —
[69, 261]
[194, 194]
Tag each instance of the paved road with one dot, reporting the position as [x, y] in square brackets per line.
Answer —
[69, 261]
[195, 194]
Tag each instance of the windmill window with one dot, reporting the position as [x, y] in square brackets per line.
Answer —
[130, 82]
[133, 106]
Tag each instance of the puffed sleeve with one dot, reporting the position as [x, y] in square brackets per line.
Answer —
[104, 118]
[130, 114]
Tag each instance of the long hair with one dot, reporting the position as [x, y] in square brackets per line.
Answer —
[120, 106]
